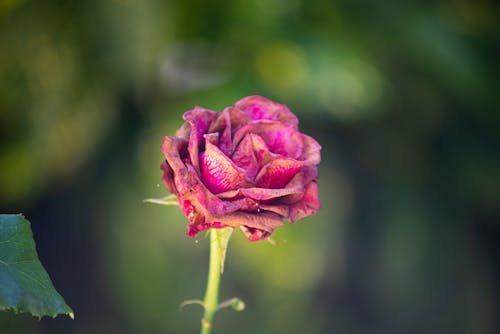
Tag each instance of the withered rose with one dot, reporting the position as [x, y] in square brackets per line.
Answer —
[248, 166]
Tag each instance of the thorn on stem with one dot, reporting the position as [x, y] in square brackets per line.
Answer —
[205, 323]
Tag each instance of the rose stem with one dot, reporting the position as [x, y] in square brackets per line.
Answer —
[211, 301]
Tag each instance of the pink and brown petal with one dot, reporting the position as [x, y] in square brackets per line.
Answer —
[247, 167]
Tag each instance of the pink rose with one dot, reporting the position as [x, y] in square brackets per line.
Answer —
[247, 167]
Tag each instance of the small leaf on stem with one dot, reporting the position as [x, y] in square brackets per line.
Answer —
[191, 302]
[167, 200]
[236, 303]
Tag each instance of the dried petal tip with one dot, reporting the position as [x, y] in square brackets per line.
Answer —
[193, 230]
[260, 108]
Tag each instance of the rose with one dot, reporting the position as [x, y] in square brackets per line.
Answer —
[247, 167]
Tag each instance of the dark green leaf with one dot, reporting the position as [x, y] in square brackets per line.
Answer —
[25, 286]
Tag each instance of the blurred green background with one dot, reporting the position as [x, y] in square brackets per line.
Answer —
[403, 97]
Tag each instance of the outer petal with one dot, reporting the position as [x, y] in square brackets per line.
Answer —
[266, 221]
[261, 194]
[204, 201]
[219, 173]
[188, 185]
[171, 148]
[280, 209]
[312, 151]
[194, 229]
[184, 131]
[254, 234]
[278, 173]
[199, 119]
[168, 177]
[309, 204]
[258, 108]
[305, 176]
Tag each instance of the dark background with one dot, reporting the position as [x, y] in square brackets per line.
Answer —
[403, 97]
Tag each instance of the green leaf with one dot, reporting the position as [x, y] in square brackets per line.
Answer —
[191, 302]
[25, 286]
[223, 236]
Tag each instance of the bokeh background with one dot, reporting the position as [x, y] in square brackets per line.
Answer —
[403, 97]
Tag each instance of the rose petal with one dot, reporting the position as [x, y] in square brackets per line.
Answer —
[312, 151]
[168, 177]
[278, 173]
[222, 126]
[254, 234]
[194, 229]
[280, 138]
[260, 194]
[266, 221]
[297, 182]
[251, 154]
[219, 173]
[170, 149]
[261, 151]
[193, 214]
[236, 117]
[199, 119]
[184, 131]
[286, 141]
[280, 209]
[309, 204]
[187, 183]
[182, 179]
[212, 138]
[205, 201]
[258, 108]
[245, 158]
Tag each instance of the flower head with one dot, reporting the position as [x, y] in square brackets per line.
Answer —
[248, 166]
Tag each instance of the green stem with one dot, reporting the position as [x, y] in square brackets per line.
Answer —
[211, 301]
